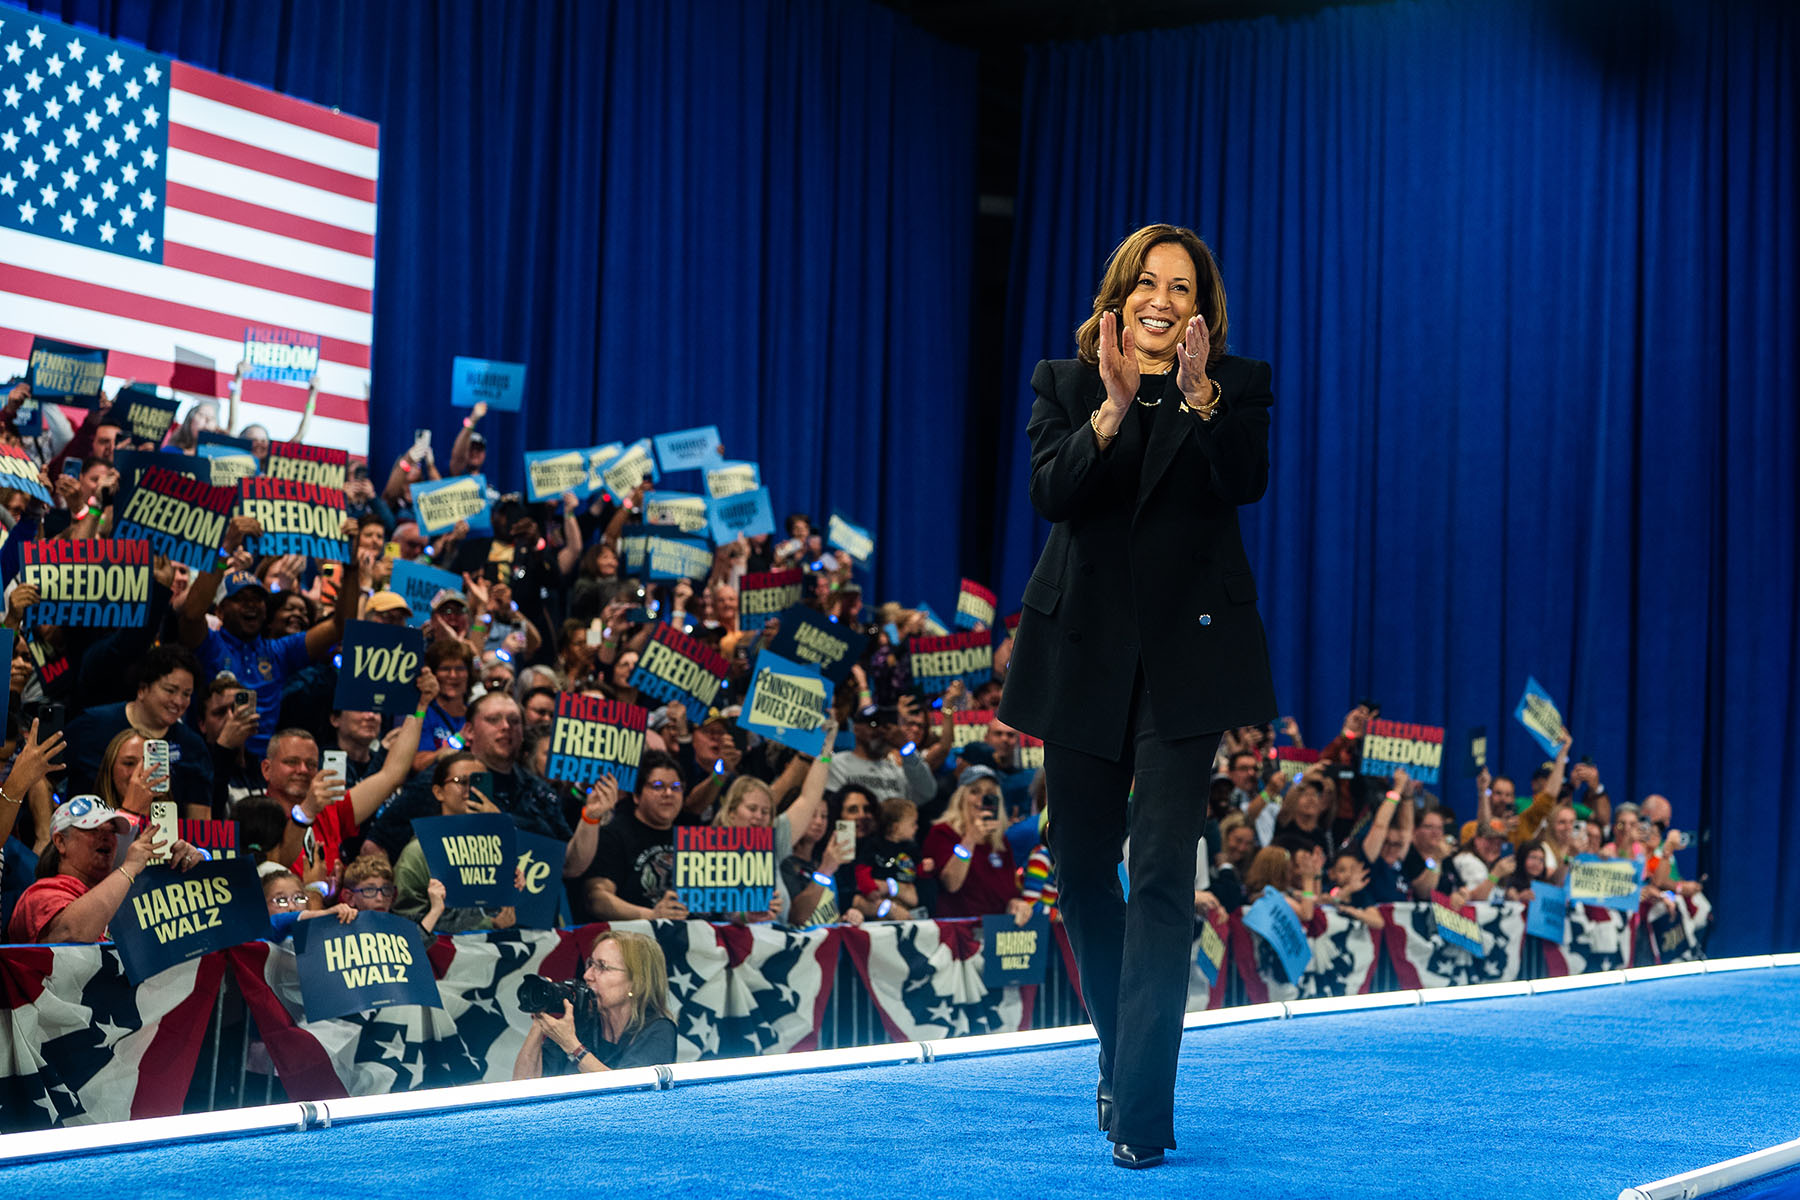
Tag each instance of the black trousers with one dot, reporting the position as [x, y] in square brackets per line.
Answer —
[1133, 958]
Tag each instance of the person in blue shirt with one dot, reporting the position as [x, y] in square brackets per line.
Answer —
[261, 664]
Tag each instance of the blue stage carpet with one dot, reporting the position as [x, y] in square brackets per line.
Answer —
[1573, 1096]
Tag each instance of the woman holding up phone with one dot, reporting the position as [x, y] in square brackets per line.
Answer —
[457, 783]
[968, 854]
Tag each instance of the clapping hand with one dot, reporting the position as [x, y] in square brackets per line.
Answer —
[1118, 364]
[1191, 355]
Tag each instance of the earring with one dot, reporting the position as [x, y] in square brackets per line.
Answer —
[629, 993]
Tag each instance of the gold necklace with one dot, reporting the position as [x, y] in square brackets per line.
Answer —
[1158, 401]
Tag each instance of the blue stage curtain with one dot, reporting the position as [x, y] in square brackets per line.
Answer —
[1527, 276]
[755, 213]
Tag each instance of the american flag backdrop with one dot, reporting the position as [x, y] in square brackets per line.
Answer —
[154, 210]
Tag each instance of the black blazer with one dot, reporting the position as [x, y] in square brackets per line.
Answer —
[1145, 561]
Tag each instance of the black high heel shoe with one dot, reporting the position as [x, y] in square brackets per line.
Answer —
[1103, 1104]
[1136, 1158]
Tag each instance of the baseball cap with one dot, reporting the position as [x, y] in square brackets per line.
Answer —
[388, 600]
[727, 714]
[975, 773]
[446, 596]
[237, 581]
[87, 812]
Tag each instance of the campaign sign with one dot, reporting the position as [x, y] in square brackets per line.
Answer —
[1273, 919]
[227, 465]
[147, 416]
[678, 669]
[787, 703]
[1209, 953]
[730, 478]
[182, 518]
[631, 549]
[629, 467]
[934, 624]
[1389, 746]
[1608, 882]
[221, 839]
[1293, 761]
[750, 513]
[767, 593]
[975, 606]
[1476, 762]
[99, 583]
[1457, 926]
[66, 373]
[281, 355]
[50, 665]
[1548, 914]
[810, 637]
[1669, 934]
[971, 727]
[380, 668]
[688, 449]
[418, 583]
[469, 855]
[131, 465]
[171, 916]
[939, 661]
[598, 459]
[550, 473]
[296, 518]
[376, 961]
[326, 466]
[592, 737]
[501, 385]
[7, 638]
[440, 503]
[1537, 712]
[540, 876]
[672, 555]
[851, 538]
[1012, 953]
[28, 419]
[720, 869]
[684, 510]
[20, 472]
[224, 441]
[1031, 753]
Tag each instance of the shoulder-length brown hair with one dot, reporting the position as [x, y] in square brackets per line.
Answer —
[1123, 269]
[648, 974]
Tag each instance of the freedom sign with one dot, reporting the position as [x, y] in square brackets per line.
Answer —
[970, 727]
[809, 636]
[768, 593]
[1457, 926]
[975, 606]
[380, 668]
[471, 855]
[592, 737]
[678, 669]
[720, 869]
[171, 916]
[92, 582]
[280, 355]
[296, 518]
[937, 662]
[1389, 746]
[1012, 953]
[326, 466]
[20, 472]
[376, 961]
[182, 518]
[786, 703]
[439, 504]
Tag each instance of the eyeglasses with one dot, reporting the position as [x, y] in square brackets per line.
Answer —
[595, 964]
[374, 893]
[288, 901]
[458, 781]
[659, 786]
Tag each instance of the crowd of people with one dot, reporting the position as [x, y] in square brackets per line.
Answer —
[234, 670]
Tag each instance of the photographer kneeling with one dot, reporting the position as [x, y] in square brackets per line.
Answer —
[617, 1017]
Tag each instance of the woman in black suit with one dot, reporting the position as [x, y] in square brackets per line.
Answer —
[1140, 643]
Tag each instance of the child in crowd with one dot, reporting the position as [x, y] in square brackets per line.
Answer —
[887, 868]
[287, 901]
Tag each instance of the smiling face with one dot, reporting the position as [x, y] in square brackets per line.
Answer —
[1159, 306]
[291, 615]
[755, 808]
[166, 699]
[245, 613]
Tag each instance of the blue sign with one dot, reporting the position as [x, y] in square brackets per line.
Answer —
[1547, 915]
[809, 636]
[787, 703]
[688, 449]
[418, 583]
[750, 513]
[844, 534]
[1457, 926]
[1613, 883]
[147, 416]
[171, 916]
[376, 961]
[228, 464]
[472, 855]
[440, 503]
[671, 554]
[501, 385]
[1538, 713]
[1209, 951]
[730, 478]
[934, 624]
[1012, 953]
[541, 893]
[131, 464]
[1274, 920]
[66, 373]
[598, 459]
[550, 473]
[379, 668]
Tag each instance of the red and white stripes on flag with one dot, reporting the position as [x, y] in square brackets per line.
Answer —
[266, 215]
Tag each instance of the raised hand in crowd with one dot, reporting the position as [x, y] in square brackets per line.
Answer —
[669, 908]
[22, 598]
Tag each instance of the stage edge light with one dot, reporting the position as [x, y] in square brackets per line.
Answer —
[1319, 1005]
[1235, 1015]
[148, 1131]
[997, 1043]
[1786, 960]
[1663, 971]
[1718, 1176]
[1475, 991]
[1751, 962]
[890, 1054]
[476, 1095]
[1569, 983]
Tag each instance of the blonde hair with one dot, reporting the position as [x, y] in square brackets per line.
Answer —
[957, 814]
[1121, 276]
[740, 788]
[646, 972]
[103, 780]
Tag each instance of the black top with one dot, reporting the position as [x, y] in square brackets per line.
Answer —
[651, 1046]
[638, 859]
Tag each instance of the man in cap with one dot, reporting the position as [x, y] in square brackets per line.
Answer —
[77, 901]
[261, 664]
[883, 760]
[387, 607]
[449, 613]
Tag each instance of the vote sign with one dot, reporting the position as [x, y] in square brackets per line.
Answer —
[539, 868]
[380, 668]
[1273, 919]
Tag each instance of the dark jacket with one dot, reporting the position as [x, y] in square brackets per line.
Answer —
[1145, 562]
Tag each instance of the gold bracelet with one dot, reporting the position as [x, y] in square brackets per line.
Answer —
[1105, 439]
[1208, 410]
[7, 798]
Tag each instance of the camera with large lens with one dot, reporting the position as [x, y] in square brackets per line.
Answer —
[540, 995]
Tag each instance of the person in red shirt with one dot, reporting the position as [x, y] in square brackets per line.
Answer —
[968, 854]
[79, 889]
